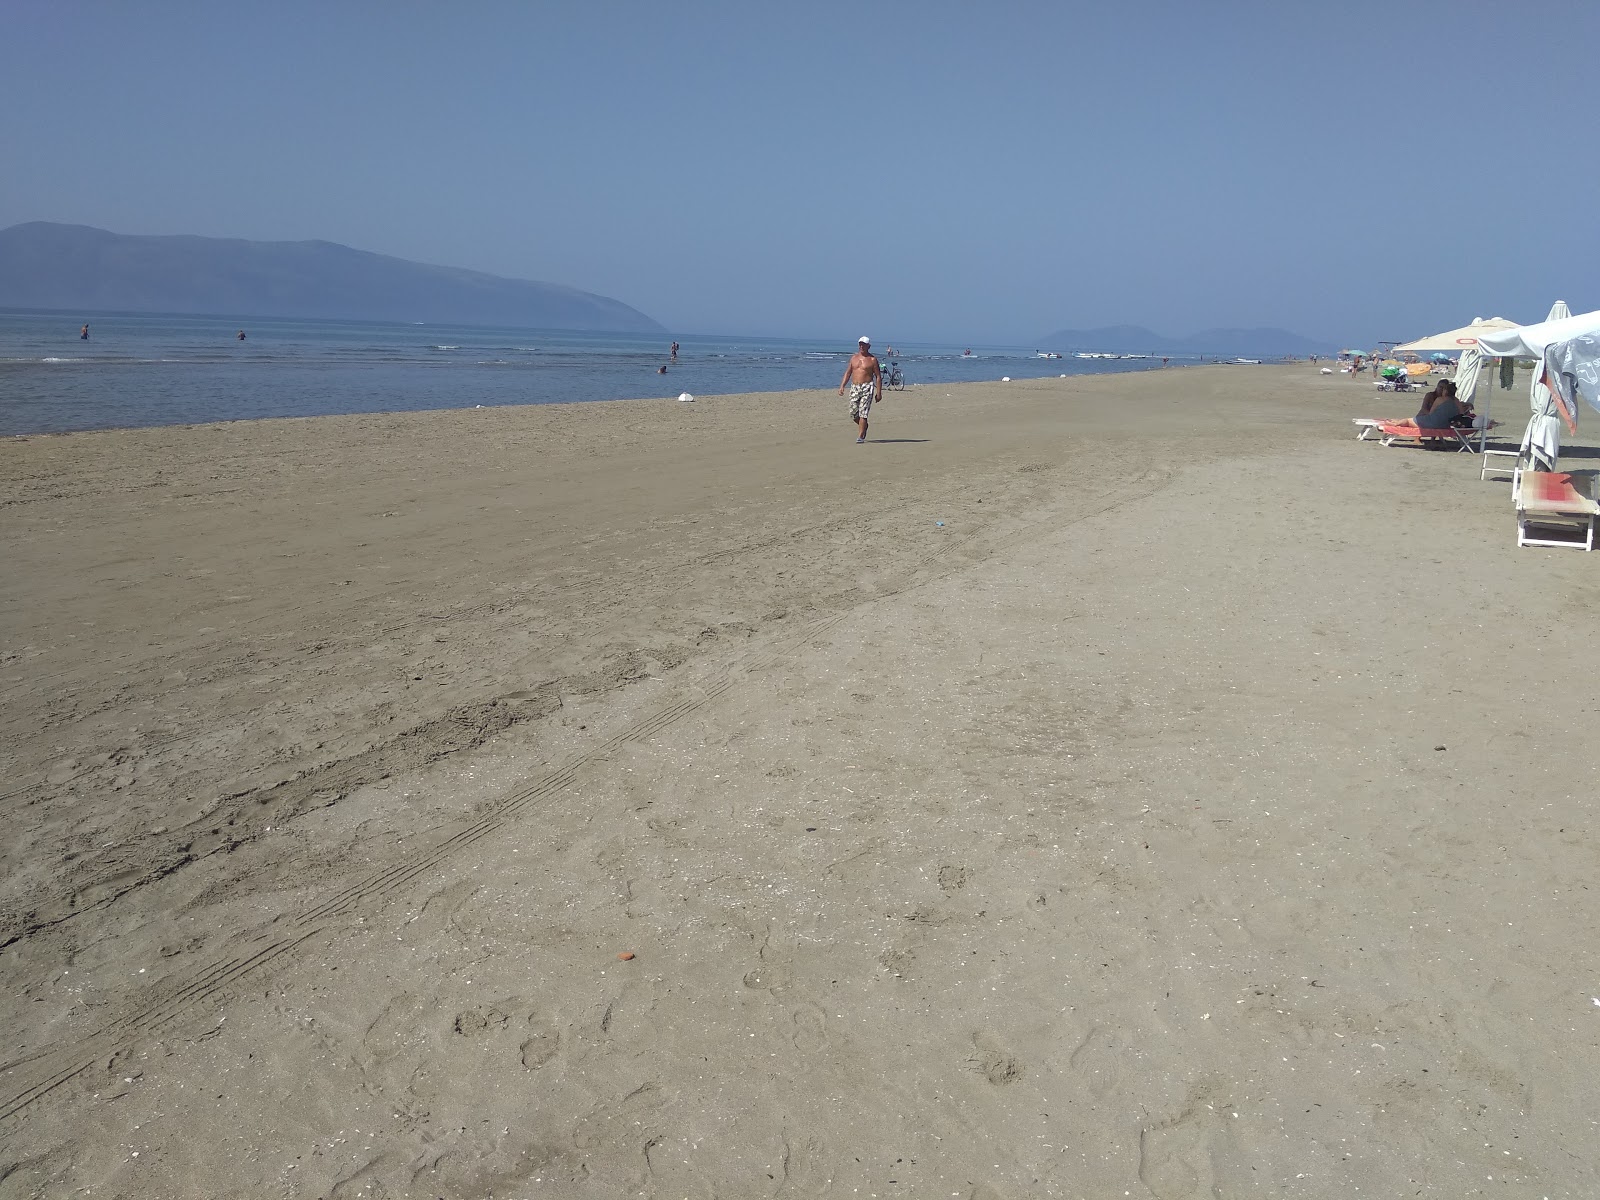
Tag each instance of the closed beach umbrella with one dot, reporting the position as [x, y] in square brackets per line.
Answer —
[1542, 438]
[1468, 368]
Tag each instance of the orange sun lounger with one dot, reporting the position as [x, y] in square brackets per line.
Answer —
[1459, 438]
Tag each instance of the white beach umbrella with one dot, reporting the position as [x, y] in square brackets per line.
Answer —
[1458, 339]
[1568, 354]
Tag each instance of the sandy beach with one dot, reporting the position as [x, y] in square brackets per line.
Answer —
[1107, 786]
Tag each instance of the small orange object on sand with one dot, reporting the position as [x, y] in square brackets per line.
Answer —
[625, 955]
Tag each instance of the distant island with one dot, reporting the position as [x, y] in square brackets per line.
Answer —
[80, 268]
[1223, 343]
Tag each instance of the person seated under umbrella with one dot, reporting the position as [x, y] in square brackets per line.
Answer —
[1440, 409]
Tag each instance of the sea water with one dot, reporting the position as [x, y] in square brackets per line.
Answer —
[143, 369]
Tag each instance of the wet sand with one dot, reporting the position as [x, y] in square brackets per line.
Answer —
[1204, 809]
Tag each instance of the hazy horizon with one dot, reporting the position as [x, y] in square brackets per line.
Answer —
[931, 173]
[1020, 340]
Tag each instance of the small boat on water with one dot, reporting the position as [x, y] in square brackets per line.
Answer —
[1244, 362]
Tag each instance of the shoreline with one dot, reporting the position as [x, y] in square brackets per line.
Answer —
[827, 390]
[195, 372]
[1053, 775]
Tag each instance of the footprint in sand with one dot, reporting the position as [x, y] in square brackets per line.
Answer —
[474, 1022]
[1098, 1059]
[600, 1123]
[768, 977]
[394, 1030]
[543, 1042]
[1175, 1157]
[804, 1165]
[810, 1028]
[952, 879]
[994, 1063]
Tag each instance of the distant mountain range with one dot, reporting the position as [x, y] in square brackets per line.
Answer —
[1224, 343]
[76, 267]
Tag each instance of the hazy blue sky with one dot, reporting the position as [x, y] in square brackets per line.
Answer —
[932, 170]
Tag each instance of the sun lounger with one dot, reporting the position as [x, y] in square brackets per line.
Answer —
[1411, 436]
[1552, 500]
[1374, 428]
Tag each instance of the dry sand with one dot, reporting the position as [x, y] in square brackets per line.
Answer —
[1205, 809]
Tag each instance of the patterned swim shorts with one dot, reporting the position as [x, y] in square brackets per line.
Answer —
[861, 400]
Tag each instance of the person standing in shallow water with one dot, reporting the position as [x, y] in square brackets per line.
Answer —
[674, 351]
[865, 380]
[84, 333]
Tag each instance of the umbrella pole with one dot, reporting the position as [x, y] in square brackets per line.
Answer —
[1483, 434]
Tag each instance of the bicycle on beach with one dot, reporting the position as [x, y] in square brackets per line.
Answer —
[894, 379]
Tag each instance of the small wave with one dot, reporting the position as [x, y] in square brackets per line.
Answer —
[444, 347]
[63, 360]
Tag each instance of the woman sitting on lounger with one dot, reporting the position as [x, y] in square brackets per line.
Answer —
[1440, 409]
[1445, 408]
[1430, 404]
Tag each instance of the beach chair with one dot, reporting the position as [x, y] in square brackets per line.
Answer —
[1406, 435]
[1525, 457]
[1548, 501]
[1492, 462]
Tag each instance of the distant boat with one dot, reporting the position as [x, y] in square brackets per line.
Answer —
[1045, 354]
[1244, 362]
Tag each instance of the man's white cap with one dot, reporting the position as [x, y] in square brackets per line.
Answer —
[863, 341]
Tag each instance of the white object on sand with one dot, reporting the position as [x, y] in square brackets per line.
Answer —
[685, 398]
[1005, 379]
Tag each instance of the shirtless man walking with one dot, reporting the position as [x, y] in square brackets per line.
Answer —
[866, 385]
